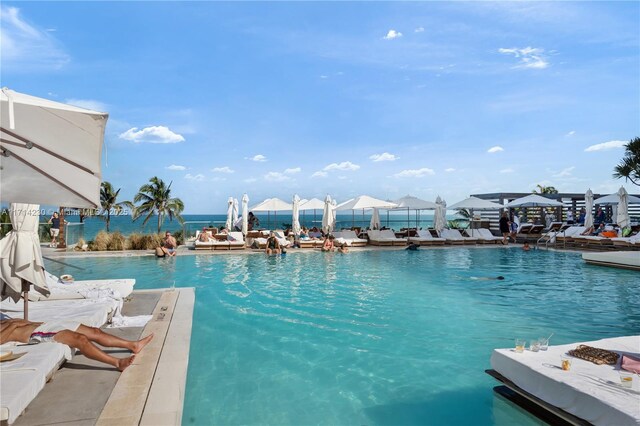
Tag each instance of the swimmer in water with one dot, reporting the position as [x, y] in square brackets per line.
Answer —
[413, 247]
[499, 277]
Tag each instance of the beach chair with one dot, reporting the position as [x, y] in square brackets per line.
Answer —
[376, 239]
[309, 242]
[349, 238]
[391, 236]
[453, 236]
[205, 245]
[84, 289]
[566, 237]
[424, 237]
[627, 243]
[284, 241]
[484, 236]
[236, 241]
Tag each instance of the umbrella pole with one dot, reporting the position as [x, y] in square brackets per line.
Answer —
[25, 298]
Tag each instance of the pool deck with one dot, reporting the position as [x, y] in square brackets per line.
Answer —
[150, 392]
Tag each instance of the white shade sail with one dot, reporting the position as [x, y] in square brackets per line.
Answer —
[622, 218]
[245, 214]
[20, 254]
[588, 206]
[534, 200]
[295, 219]
[414, 203]
[613, 199]
[474, 203]
[272, 205]
[365, 202]
[312, 204]
[50, 152]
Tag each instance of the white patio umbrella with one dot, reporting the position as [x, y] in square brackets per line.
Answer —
[439, 217]
[245, 214]
[474, 203]
[588, 206]
[622, 218]
[20, 256]
[295, 220]
[272, 205]
[613, 199]
[364, 202]
[534, 200]
[375, 219]
[327, 215]
[409, 202]
[312, 204]
[235, 211]
[229, 221]
[50, 152]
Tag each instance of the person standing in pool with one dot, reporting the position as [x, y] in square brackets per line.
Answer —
[505, 228]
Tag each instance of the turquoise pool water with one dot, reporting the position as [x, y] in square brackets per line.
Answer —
[391, 337]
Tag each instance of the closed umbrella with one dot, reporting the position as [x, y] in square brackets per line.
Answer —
[235, 212]
[295, 220]
[229, 221]
[622, 218]
[20, 256]
[588, 205]
[245, 214]
[334, 214]
[375, 219]
[439, 217]
[327, 215]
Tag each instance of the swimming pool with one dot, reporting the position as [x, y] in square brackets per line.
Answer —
[375, 337]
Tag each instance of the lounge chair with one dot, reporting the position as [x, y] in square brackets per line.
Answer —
[390, 235]
[376, 239]
[215, 240]
[424, 237]
[453, 236]
[566, 237]
[84, 289]
[627, 243]
[484, 236]
[284, 241]
[350, 238]
[309, 243]
[236, 241]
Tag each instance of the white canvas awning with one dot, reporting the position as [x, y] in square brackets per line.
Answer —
[50, 152]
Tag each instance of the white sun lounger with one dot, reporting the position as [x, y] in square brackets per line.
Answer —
[632, 242]
[453, 236]
[236, 241]
[212, 244]
[588, 391]
[425, 237]
[350, 238]
[484, 236]
[84, 289]
[90, 312]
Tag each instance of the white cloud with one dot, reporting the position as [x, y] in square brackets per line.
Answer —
[507, 170]
[199, 177]
[258, 157]
[153, 134]
[176, 167]
[450, 169]
[604, 146]
[26, 47]
[392, 34]
[571, 133]
[495, 149]
[530, 57]
[415, 173]
[250, 180]
[293, 170]
[324, 77]
[320, 174]
[385, 156]
[225, 169]
[88, 104]
[419, 30]
[564, 172]
[276, 177]
[345, 165]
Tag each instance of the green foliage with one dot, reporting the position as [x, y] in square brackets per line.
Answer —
[5, 220]
[629, 167]
[541, 189]
[109, 203]
[155, 199]
[454, 224]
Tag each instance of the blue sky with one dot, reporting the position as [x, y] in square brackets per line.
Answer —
[385, 99]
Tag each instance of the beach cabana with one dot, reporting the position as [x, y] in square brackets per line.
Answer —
[363, 202]
[274, 205]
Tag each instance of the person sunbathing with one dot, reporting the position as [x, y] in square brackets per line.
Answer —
[72, 334]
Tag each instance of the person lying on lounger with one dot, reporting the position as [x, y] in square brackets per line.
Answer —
[72, 334]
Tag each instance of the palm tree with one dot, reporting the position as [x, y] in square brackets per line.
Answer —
[629, 167]
[156, 199]
[108, 201]
[541, 189]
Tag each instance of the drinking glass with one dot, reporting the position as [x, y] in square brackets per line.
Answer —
[534, 346]
[565, 362]
[544, 343]
[520, 344]
[626, 378]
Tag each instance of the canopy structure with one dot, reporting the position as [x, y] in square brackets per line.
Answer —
[50, 153]
[20, 256]
[272, 205]
[473, 203]
[622, 218]
[533, 200]
[613, 199]
[588, 206]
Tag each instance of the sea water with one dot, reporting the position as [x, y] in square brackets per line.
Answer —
[377, 337]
